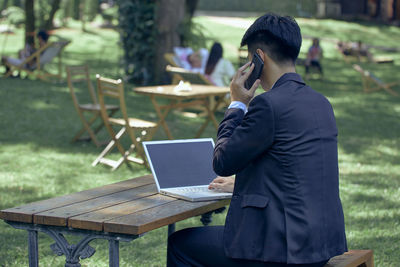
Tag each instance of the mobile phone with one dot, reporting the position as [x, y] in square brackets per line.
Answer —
[256, 74]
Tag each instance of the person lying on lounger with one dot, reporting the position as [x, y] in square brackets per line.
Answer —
[26, 52]
[357, 49]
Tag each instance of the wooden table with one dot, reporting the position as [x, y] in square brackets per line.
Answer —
[117, 212]
[198, 95]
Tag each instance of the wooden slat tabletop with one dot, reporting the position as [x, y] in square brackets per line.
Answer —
[129, 207]
[59, 216]
[95, 219]
[171, 212]
[25, 213]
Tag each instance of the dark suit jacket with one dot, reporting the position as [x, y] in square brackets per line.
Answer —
[285, 205]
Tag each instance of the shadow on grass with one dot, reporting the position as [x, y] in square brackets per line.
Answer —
[375, 180]
[377, 233]
[42, 114]
[15, 194]
[377, 201]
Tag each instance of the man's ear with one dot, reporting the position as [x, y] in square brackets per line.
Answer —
[261, 54]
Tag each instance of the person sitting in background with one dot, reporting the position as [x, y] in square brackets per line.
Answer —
[362, 51]
[186, 58]
[194, 60]
[218, 70]
[314, 57]
[357, 49]
[180, 56]
[344, 48]
[25, 53]
[197, 60]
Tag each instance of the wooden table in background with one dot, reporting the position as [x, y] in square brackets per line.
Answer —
[198, 95]
[117, 212]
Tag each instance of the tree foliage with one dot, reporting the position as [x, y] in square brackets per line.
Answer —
[136, 22]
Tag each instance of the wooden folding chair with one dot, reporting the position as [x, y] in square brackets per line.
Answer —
[80, 74]
[186, 75]
[138, 130]
[34, 64]
[372, 83]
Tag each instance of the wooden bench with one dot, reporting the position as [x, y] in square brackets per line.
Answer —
[117, 212]
[353, 258]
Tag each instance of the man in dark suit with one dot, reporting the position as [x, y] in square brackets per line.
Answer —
[282, 147]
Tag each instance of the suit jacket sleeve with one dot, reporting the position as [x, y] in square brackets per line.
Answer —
[242, 138]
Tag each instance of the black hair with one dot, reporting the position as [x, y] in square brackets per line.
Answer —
[44, 35]
[277, 35]
[216, 53]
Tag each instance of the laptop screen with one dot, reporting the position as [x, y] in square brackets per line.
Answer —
[178, 163]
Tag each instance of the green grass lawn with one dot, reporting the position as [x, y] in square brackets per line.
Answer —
[37, 160]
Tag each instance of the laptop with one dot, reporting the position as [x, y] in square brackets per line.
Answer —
[183, 168]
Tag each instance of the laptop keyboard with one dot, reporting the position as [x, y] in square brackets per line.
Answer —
[193, 189]
[195, 192]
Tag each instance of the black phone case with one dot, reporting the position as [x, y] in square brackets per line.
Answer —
[258, 67]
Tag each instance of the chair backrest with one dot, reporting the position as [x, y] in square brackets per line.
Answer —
[189, 76]
[360, 70]
[170, 58]
[368, 74]
[80, 75]
[51, 51]
[109, 88]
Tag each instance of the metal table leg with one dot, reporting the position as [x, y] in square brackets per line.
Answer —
[33, 250]
[113, 253]
[73, 252]
[171, 229]
[206, 218]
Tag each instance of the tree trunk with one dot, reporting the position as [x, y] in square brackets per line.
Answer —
[191, 6]
[385, 10]
[5, 4]
[17, 3]
[54, 7]
[82, 15]
[76, 9]
[29, 22]
[169, 15]
[378, 8]
[397, 10]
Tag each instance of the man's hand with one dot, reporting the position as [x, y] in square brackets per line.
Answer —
[225, 184]
[238, 91]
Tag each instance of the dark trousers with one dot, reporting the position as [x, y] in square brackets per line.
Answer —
[314, 63]
[203, 246]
